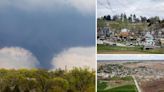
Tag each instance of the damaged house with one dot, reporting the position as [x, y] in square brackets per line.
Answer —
[148, 41]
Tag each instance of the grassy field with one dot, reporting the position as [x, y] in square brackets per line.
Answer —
[101, 85]
[126, 88]
[101, 49]
[117, 84]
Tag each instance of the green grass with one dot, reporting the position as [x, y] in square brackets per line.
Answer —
[126, 88]
[107, 48]
[117, 48]
[101, 85]
[118, 25]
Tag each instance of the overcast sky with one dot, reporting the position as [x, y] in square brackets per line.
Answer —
[139, 7]
[45, 28]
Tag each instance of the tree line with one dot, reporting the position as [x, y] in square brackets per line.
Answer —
[131, 22]
[132, 18]
[42, 80]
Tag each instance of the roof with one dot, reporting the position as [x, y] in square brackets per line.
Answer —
[124, 30]
[148, 35]
[124, 34]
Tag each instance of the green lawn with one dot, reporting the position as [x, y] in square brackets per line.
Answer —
[106, 48]
[101, 85]
[127, 85]
[126, 88]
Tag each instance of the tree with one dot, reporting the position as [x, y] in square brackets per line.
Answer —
[137, 20]
[16, 89]
[41, 80]
[134, 18]
[122, 17]
[115, 18]
[143, 19]
[125, 17]
[81, 79]
[153, 20]
[27, 90]
[104, 18]
[7, 89]
[130, 19]
[60, 83]
[108, 18]
[101, 23]
[58, 72]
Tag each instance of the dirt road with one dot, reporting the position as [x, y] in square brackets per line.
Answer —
[136, 83]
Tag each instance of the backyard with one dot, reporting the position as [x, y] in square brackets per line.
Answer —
[106, 49]
[117, 85]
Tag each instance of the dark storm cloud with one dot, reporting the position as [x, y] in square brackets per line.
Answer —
[46, 33]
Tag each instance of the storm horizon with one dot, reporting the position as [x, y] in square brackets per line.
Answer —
[44, 29]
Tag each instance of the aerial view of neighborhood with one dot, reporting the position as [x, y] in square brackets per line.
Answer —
[130, 76]
[130, 27]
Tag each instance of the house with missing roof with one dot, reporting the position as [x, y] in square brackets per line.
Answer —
[162, 42]
[103, 33]
[149, 42]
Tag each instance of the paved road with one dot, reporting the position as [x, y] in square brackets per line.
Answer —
[136, 83]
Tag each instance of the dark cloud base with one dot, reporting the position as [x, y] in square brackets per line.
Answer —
[46, 33]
